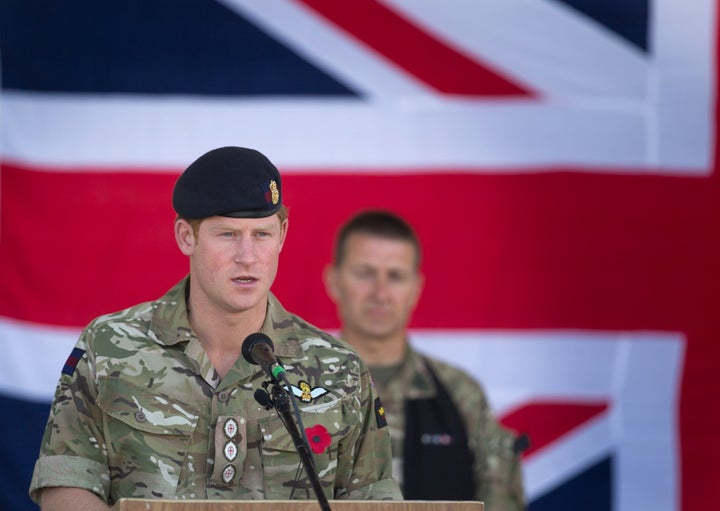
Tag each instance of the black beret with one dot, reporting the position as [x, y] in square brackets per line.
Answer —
[228, 181]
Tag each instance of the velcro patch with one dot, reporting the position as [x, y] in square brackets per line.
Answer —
[72, 361]
[380, 414]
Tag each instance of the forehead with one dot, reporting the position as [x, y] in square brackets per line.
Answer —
[370, 249]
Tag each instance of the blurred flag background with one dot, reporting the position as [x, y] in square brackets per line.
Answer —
[557, 157]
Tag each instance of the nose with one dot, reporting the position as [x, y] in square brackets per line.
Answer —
[245, 251]
[381, 287]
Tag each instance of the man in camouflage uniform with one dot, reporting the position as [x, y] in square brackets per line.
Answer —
[446, 444]
[156, 402]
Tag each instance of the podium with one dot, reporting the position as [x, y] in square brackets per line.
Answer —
[293, 505]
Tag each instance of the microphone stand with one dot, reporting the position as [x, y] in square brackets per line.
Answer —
[285, 406]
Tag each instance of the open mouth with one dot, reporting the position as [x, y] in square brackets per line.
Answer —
[244, 280]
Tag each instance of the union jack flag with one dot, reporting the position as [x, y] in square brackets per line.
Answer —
[558, 158]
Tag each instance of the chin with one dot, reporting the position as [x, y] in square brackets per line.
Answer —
[379, 335]
[244, 304]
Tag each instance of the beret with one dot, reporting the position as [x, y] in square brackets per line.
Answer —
[228, 181]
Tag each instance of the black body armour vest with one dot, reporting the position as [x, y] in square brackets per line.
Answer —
[437, 464]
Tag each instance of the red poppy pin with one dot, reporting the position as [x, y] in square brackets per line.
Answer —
[318, 438]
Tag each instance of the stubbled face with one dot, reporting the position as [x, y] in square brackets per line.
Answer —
[233, 261]
[376, 287]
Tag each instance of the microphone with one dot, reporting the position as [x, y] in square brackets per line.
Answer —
[263, 398]
[258, 349]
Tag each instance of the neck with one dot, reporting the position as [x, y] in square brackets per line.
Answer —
[222, 333]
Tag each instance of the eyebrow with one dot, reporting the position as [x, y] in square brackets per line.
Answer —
[265, 226]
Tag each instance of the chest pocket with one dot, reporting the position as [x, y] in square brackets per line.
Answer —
[326, 426]
[148, 436]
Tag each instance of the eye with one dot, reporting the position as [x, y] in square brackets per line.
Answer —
[363, 273]
[398, 276]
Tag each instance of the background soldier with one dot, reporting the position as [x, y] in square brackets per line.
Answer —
[446, 443]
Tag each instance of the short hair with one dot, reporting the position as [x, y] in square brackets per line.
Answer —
[379, 223]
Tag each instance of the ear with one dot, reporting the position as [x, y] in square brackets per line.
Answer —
[283, 232]
[184, 236]
[419, 285]
[330, 277]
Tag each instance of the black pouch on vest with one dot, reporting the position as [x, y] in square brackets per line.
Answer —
[437, 463]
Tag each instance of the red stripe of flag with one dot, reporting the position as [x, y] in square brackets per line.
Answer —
[559, 247]
[545, 422]
[445, 68]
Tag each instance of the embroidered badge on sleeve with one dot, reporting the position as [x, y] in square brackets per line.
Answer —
[72, 361]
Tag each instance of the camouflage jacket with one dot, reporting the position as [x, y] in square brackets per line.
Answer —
[139, 412]
[497, 470]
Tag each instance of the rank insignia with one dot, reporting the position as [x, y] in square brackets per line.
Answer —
[305, 393]
[380, 414]
[230, 428]
[228, 474]
[230, 451]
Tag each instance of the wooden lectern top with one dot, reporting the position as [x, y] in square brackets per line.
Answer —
[294, 505]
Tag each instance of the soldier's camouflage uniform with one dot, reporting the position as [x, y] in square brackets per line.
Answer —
[139, 412]
[497, 470]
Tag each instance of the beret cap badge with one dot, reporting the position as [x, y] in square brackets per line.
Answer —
[274, 192]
